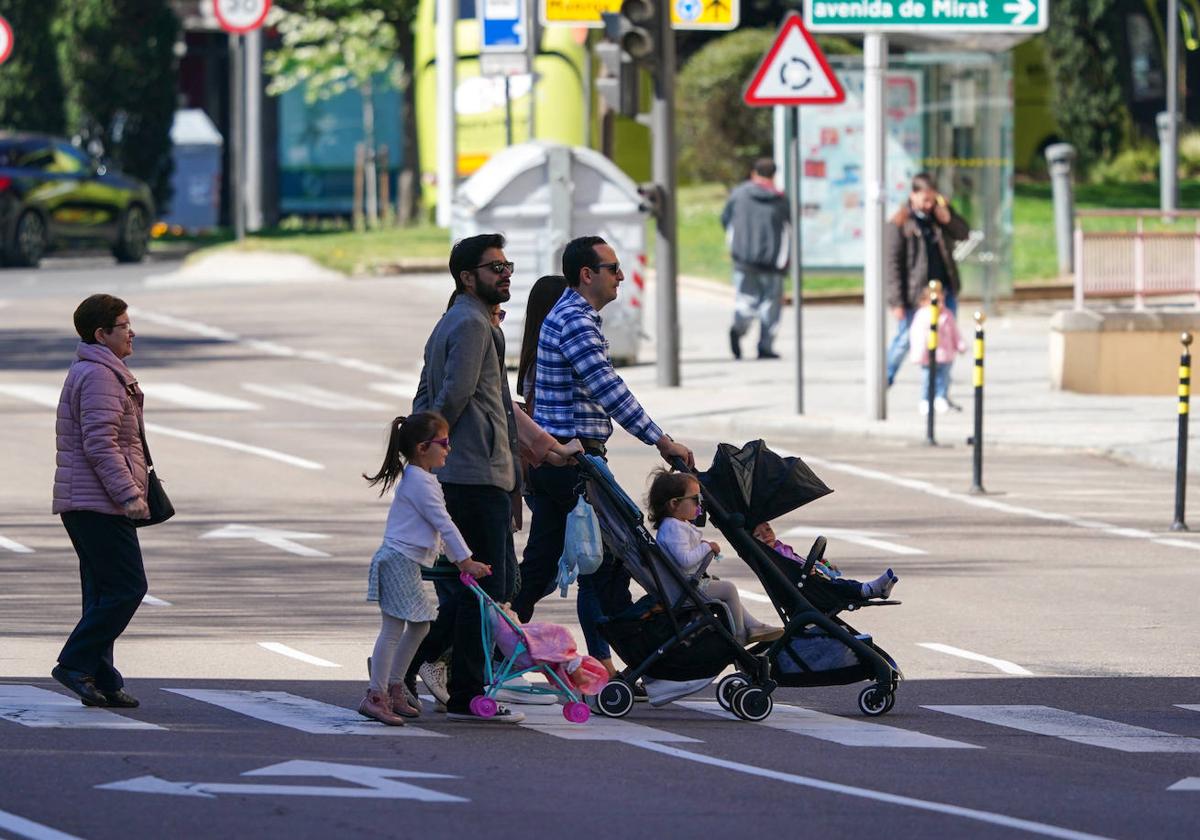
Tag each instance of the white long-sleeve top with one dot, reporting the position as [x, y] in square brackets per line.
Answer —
[683, 542]
[418, 524]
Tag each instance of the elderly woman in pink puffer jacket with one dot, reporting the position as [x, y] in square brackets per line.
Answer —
[99, 489]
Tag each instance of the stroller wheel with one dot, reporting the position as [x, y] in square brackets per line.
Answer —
[484, 707]
[751, 703]
[615, 699]
[875, 700]
[727, 686]
[577, 712]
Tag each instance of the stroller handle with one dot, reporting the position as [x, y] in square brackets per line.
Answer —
[468, 580]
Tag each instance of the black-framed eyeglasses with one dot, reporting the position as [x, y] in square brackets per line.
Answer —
[497, 266]
[614, 267]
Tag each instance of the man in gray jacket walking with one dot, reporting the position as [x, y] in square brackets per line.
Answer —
[464, 380]
[756, 226]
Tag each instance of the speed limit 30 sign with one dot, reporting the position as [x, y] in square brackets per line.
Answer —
[240, 16]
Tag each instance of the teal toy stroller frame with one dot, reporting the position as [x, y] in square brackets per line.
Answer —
[575, 709]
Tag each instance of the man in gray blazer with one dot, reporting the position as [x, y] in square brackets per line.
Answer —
[464, 380]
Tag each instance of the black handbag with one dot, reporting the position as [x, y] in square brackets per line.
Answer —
[160, 506]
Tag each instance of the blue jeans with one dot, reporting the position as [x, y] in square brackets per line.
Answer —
[898, 349]
[941, 381]
[758, 294]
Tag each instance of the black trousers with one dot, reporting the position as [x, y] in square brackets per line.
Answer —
[483, 514]
[113, 582]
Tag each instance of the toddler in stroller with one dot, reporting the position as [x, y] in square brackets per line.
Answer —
[829, 574]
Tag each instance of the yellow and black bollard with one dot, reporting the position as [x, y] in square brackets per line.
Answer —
[977, 437]
[935, 294]
[1185, 388]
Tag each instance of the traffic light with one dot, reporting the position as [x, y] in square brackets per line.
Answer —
[619, 86]
[641, 38]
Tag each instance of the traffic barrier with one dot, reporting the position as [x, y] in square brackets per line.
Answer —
[977, 437]
[1185, 388]
[935, 292]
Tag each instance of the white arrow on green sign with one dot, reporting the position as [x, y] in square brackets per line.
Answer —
[927, 15]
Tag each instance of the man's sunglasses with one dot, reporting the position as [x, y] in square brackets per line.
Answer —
[443, 442]
[614, 267]
[497, 266]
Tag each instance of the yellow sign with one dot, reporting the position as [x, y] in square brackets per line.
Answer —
[685, 14]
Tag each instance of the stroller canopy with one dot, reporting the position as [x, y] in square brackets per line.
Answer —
[758, 484]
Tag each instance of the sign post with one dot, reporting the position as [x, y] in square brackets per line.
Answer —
[502, 48]
[794, 72]
[238, 17]
[875, 20]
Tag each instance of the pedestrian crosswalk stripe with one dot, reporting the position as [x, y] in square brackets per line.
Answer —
[311, 395]
[14, 546]
[42, 709]
[845, 731]
[1081, 729]
[405, 389]
[1191, 707]
[22, 827]
[312, 716]
[44, 395]
[176, 393]
[550, 720]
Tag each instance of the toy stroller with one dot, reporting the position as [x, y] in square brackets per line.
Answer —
[550, 653]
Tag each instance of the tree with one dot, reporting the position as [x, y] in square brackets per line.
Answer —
[31, 90]
[1088, 99]
[119, 70]
[347, 47]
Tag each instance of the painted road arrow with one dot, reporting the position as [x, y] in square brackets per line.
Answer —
[373, 783]
[274, 537]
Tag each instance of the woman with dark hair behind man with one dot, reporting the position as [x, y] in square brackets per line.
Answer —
[542, 297]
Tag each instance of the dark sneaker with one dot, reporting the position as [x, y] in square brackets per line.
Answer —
[639, 692]
[503, 715]
[117, 699]
[81, 684]
[735, 343]
[768, 354]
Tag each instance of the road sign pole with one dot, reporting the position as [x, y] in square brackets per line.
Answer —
[237, 137]
[875, 65]
[795, 211]
[252, 84]
[447, 140]
[532, 39]
[662, 130]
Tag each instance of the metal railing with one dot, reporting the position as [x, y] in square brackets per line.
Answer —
[1137, 263]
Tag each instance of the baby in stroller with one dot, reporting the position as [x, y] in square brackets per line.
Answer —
[829, 574]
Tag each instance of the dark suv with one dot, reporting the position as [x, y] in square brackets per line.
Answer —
[54, 195]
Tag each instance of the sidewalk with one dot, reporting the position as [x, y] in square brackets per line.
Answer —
[751, 398]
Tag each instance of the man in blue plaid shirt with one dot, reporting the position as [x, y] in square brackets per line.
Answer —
[578, 395]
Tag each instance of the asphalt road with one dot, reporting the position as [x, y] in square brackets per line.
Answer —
[1047, 631]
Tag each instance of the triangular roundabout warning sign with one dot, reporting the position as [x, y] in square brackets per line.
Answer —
[794, 71]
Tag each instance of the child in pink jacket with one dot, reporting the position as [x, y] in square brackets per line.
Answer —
[950, 344]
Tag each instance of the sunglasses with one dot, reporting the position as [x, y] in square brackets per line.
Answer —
[443, 442]
[500, 316]
[497, 266]
[614, 267]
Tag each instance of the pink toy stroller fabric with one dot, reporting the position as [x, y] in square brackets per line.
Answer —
[553, 645]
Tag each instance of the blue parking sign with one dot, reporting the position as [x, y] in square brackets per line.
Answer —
[502, 25]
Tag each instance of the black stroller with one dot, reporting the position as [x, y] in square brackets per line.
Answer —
[677, 633]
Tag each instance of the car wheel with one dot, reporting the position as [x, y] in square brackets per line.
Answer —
[29, 241]
[133, 240]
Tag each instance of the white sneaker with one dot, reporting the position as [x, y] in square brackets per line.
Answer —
[663, 692]
[433, 674]
[941, 405]
[503, 715]
[528, 698]
[923, 408]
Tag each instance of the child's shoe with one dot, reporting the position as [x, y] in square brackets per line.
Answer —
[762, 633]
[881, 587]
[377, 706]
[941, 405]
[923, 408]
[398, 695]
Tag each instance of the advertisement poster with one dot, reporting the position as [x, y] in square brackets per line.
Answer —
[832, 150]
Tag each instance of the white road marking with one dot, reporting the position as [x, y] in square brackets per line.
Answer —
[14, 546]
[990, 817]
[405, 390]
[1190, 783]
[284, 650]
[549, 720]
[753, 596]
[225, 443]
[300, 713]
[1081, 729]
[154, 602]
[932, 489]
[22, 827]
[45, 395]
[845, 731]
[314, 396]
[42, 709]
[1191, 707]
[373, 783]
[870, 539]
[275, 537]
[189, 397]
[1000, 664]
[267, 347]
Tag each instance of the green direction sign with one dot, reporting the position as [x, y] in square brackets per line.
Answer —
[927, 15]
